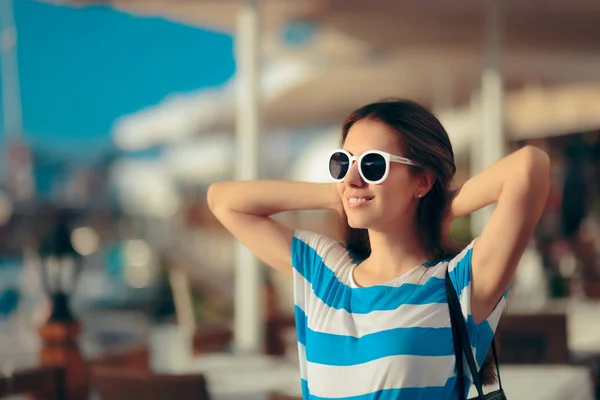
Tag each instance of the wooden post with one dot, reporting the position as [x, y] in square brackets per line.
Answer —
[60, 349]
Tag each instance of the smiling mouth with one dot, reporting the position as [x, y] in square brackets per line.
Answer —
[355, 202]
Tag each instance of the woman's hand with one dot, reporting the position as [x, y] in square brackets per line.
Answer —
[454, 205]
[451, 213]
[336, 201]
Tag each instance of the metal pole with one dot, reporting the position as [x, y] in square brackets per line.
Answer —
[249, 297]
[491, 144]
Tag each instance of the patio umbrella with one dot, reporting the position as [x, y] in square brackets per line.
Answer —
[428, 51]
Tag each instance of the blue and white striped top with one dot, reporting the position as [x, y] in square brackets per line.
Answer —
[390, 341]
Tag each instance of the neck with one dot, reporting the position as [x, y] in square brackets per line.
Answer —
[396, 251]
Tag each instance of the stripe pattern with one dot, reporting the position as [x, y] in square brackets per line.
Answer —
[390, 341]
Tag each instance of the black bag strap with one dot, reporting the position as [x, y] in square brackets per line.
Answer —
[496, 363]
[460, 338]
[460, 373]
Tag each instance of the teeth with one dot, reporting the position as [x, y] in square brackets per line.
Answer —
[357, 200]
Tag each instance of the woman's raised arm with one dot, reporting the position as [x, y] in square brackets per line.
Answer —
[245, 209]
[519, 183]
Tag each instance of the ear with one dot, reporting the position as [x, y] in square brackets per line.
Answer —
[426, 181]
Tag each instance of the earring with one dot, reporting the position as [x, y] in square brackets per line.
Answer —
[420, 195]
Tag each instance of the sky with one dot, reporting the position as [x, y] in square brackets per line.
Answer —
[82, 67]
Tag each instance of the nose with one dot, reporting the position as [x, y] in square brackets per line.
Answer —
[353, 177]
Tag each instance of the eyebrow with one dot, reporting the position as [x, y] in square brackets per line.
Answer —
[385, 151]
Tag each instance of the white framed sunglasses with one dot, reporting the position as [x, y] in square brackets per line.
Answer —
[373, 165]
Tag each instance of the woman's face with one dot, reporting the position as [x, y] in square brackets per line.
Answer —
[389, 203]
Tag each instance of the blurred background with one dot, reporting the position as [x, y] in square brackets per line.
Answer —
[117, 115]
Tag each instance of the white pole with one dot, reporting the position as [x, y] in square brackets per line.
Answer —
[18, 174]
[249, 298]
[491, 144]
[476, 158]
[11, 98]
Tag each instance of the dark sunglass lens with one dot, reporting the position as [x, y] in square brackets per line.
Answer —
[373, 166]
[338, 165]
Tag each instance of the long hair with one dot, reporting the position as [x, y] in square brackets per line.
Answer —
[423, 139]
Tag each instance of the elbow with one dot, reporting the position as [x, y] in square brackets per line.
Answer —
[536, 164]
[535, 171]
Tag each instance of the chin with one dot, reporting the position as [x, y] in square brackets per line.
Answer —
[374, 221]
[360, 222]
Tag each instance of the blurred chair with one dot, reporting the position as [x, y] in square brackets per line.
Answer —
[122, 384]
[533, 338]
[592, 289]
[212, 338]
[43, 383]
[131, 358]
[283, 396]
[275, 328]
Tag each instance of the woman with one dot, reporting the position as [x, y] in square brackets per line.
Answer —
[371, 314]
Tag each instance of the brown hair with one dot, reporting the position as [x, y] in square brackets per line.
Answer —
[423, 139]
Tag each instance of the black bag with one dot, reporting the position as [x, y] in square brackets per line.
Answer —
[460, 337]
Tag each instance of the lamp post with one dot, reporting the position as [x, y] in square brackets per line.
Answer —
[60, 270]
